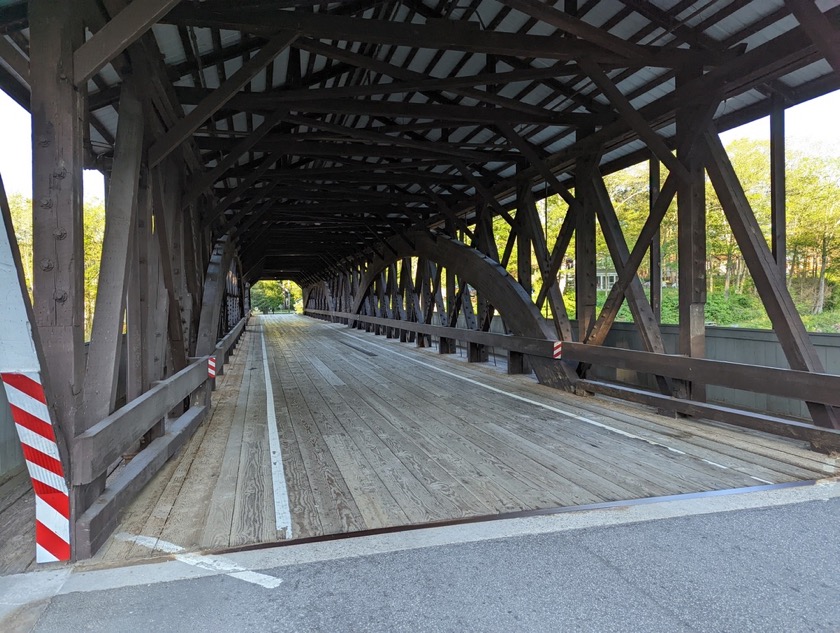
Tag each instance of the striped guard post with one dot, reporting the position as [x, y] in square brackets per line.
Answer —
[37, 438]
[558, 350]
[211, 367]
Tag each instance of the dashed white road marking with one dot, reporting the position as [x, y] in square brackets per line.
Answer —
[210, 563]
[282, 513]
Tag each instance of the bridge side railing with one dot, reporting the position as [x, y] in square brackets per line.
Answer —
[518, 344]
[800, 385]
[182, 401]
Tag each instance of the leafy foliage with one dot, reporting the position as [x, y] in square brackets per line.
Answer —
[275, 296]
[94, 232]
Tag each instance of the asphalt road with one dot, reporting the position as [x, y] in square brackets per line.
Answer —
[756, 569]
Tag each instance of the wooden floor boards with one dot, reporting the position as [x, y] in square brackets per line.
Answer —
[375, 433]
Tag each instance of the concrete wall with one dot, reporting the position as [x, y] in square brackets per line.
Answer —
[11, 457]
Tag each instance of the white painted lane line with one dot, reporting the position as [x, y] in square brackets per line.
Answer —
[711, 463]
[210, 563]
[580, 418]
[282, 514]
[569, 414]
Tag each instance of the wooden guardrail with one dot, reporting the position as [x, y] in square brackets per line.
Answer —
[224, 347]
[182, 400]
[522, 344]
[801, 385]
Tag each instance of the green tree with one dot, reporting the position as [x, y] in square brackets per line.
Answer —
[270, 295]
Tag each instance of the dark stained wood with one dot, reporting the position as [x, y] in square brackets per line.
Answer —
[691, 236]
[585, 255]
[821, 31]
[768, 279]
[778, 189]
[105, 349]
[186, 126]
[655, 244]
[125, 28]
[447, 34]
[820, 439]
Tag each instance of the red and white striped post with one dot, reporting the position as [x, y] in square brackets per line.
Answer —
[21, 373]
[558, 350]
[28, 402]
[211, 367]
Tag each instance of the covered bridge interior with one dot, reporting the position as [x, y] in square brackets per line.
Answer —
[370, 150]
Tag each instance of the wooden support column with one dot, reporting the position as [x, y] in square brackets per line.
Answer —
[517, 363]
[211, 301]
[450, 318]
[769, 281]
[778, 213]
[57, 161]
[106, 337]
[585, 256]
[165, 208]
[655, 245]
[691, 231]
[424, 300]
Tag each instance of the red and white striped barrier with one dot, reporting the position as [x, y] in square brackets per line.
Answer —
[558, 350]
[37, 438]
[211, 367]
[21, 371]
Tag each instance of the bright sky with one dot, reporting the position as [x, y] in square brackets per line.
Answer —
[813, 125]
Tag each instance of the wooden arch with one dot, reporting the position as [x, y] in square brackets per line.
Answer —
[489, 278]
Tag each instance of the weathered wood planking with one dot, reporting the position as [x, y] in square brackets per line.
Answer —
[371, 439]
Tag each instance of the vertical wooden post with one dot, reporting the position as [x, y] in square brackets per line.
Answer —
[585, 255]
[655, 246]
[106, 336]
[691, 229]
[517, 363]
[449, 345]
[57, 160]
[778, 214]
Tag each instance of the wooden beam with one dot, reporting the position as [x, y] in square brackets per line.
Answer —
[636, 299]
[691, 235]
[57, 205]
[585, 245]
[103, 359]
[820, 439]
[626, 264]
[201, 182]
[632, 116]
[213, 103]
[15, 60]
[125, 28]
[569, 24]
[768, 279]
[655, 242]
[211, 299]
[265, 101]
[439, 34]
[245, 185]
[778, 201]
[526, 213]
[817, 26]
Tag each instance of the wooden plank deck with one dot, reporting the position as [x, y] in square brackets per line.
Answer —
[375, 434]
